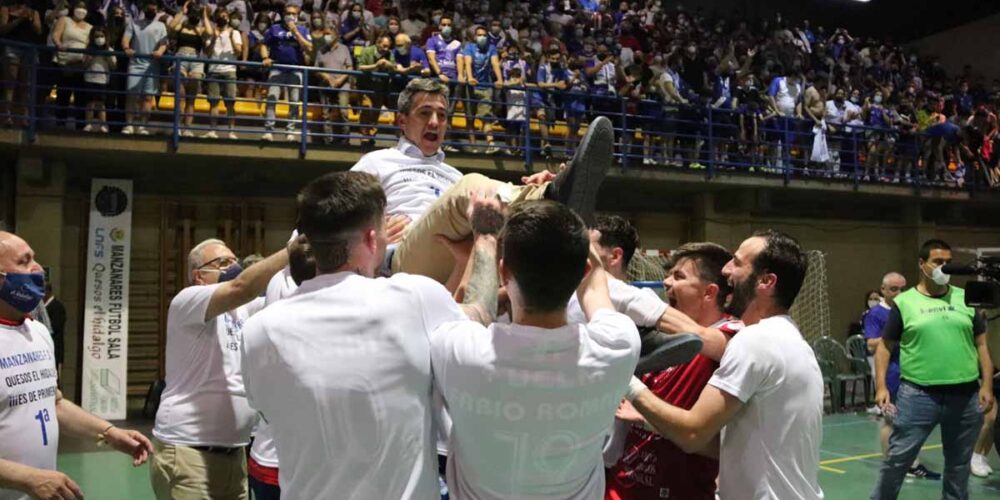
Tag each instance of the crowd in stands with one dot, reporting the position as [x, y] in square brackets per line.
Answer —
[691, 87]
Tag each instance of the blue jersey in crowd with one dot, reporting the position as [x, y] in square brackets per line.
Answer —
[283, 46]
[482, 67]
[445, 53]
[874, 321]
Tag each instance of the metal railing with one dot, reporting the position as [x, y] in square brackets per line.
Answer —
[524, 122]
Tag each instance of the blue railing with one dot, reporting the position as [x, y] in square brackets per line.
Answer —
[544, 125]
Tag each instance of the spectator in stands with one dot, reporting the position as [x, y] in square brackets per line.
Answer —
[367, 16]
[482, 71]
[225, 44]
[550, 78]
[376, 61]
[514, 97]
[190, 32]
[20, 23]
[71, 32]
[253, 52]
[144, 41]
[443, 52]
[496, 36]
[785, 95]
[287, 43]
[99, 64]
[356, 29]
[878, 120]
[336, 97]
[414, 25]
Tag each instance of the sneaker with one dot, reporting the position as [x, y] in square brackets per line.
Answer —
[979, 466]
[233, 136]
[104, 129]
[88, 128]
[577, 185]
[874, 410]
[128, 130]
[450, 149]
[663, 350]
[290, 137]
[267, 137]
[648, 161]
[210, 135]
[491, 149]
[921, 472]
[187, 133]
[143, 131]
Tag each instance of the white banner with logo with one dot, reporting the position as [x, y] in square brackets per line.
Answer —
[105, 315]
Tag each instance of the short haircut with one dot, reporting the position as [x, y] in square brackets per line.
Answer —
[301, 262]
[431, 86]
[618, 232]
[782, 256]
[932, 244]
[545, 246]
[195, 256]
[332, 208]
[709, 259]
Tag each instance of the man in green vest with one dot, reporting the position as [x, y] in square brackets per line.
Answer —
[946, 371]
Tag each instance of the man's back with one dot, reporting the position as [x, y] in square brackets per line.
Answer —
[346, 386]
[531, 407]
[771, 449]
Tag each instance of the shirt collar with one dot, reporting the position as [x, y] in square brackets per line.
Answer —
[410, 149]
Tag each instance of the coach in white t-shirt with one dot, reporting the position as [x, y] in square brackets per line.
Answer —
[204, 421]
[341, 369]
[532, 401]
[32, 410]
[766, 397]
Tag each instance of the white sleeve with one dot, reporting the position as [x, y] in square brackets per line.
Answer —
[253, 340]
[187, 310]
[280, 286]
[614, 331]
[641, 305]
[365, 164]
[436, 305]
[744, 369]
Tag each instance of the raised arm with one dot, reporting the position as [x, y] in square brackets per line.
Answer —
[483, 284]
[247, 286]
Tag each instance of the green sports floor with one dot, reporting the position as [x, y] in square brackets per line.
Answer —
[849, 458]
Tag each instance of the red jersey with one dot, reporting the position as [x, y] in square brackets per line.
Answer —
[653, 467]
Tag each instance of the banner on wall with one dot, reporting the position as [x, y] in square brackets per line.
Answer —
[105, 314]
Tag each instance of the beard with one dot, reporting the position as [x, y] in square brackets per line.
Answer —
[744, 292]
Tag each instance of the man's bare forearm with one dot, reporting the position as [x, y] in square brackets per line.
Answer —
[480, 301]
[882, 353]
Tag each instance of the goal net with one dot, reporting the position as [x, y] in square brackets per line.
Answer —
[811, 310]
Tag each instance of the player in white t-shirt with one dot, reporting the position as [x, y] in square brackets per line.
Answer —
[766, 397]
[427, 197]
[204, 421]
[532, 401]
[32, 409]
[341, 369]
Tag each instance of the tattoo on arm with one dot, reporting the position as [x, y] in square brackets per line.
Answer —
[484, 283]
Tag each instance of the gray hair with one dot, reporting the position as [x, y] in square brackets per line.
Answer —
[890, 276]
[431, 86]
[195, 255]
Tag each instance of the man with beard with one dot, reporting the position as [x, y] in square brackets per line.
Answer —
[650, 463]
[768, 390]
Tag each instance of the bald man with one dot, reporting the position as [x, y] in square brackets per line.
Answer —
[32, 410]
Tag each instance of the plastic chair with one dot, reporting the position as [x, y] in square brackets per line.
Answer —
[857, 348]
[842, 368]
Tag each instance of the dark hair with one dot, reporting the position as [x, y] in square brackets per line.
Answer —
[932, 244]
[334, 206]
[618, 232]
[869, 294]
[301, 261]
[709, 259]
[545, 246]
[782, 256]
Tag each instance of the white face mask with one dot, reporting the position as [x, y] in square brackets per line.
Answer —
[938, 276]
[99, 41]
[872, 304]
[79, 14]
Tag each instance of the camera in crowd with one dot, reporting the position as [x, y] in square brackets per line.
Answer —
[985, 293]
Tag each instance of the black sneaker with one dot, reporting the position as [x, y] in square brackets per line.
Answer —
[922, 472]
[662, 350]
[577, 185]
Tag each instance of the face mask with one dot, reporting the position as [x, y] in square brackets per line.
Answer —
[481, 40]
[872, 304]
[436, 20]
[328, 39]
[317, 23]
[290, 18]
[99, 41]
[506, 23]
[878, 99]
[495, 30]
[403, 50]
[394, 29]
[230, 273]
[23, 291]
[262, 27]
[855, 99]
[234, 23]
[356, 15]
[578, 33]
[446, 32]
[79, 14]
[939, 277]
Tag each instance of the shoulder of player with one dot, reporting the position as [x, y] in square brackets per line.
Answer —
[192, 292]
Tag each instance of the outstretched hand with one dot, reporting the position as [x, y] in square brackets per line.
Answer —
[486, 214]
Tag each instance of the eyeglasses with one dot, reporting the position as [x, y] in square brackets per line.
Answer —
[894, 288]
[219, 262]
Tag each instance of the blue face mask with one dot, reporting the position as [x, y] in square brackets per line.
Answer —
[230, 273]
[23, 291]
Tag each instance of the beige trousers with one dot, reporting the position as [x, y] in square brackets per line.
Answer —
[184, 473]
[420, 253]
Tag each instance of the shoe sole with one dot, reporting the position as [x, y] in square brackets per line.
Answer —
[586, 171]
[661, 351]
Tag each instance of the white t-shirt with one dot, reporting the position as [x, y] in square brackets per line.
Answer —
[412, 181]
[29, 431]
[204, 403]
[341, 371]
[531, 406]
[641, 305]
[771, 449]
